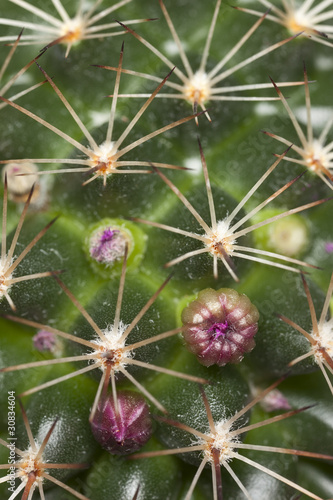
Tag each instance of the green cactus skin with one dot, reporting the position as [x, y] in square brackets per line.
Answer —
[237, 155]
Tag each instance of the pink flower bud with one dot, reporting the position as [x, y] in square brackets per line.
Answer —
[275, 401]
[107, 245]
[124, 431]
[220, 326]
[44, 341]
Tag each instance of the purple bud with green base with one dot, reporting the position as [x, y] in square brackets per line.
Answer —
[107, 245]
[126, 430]
[219, 326]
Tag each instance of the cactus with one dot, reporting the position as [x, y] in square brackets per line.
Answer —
[99, 135]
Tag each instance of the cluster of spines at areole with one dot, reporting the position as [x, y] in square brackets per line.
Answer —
[219, 326]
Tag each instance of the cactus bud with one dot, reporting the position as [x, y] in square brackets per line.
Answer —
[275, 401]
[219, 326]
[44, 341]
[107, 245]
[19, 185]
[329, 247]
[124, 429]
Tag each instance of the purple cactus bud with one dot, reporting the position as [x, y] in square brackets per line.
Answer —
[329, 247]
[107, 245]
[274, 401]
[220, 326]
[44, 341]
[124, 431]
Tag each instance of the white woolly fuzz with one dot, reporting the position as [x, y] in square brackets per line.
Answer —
[222, 441]
[113, 348]
[105, 151]
[221, 237]
[198, 88]
[317, 156]
[325, 339]
[28, 464]
[4, 285]
[73, 29]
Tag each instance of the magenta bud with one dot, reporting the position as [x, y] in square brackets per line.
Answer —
[275, 401]
[220, 326]
[126, 430]
[107, 245]
[329, 247]
[44, 341]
